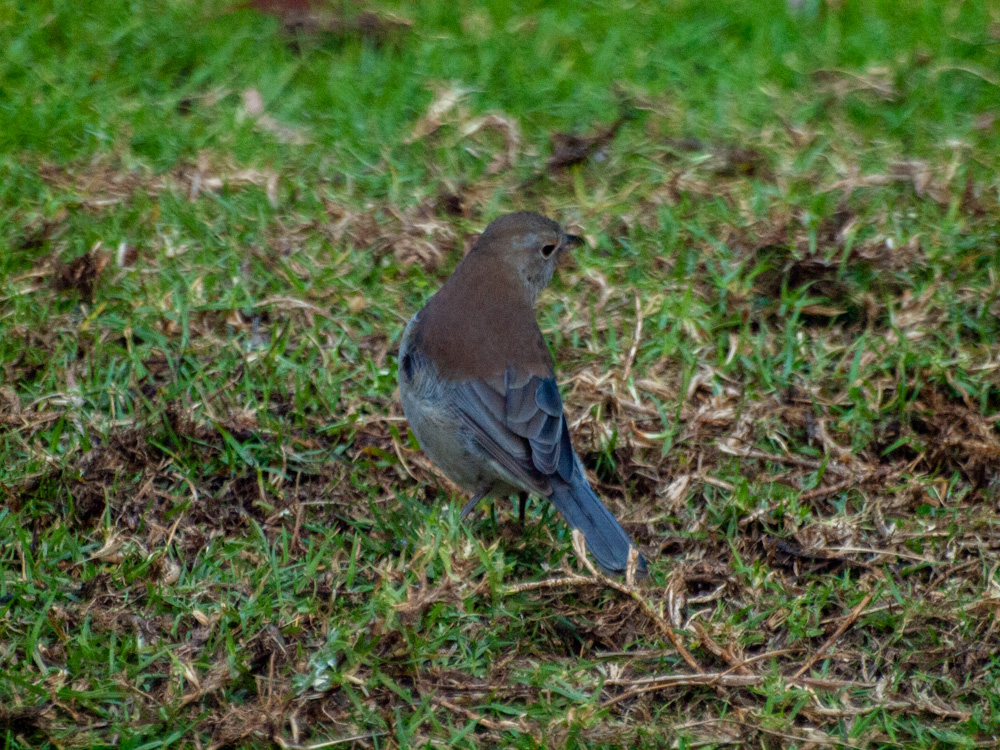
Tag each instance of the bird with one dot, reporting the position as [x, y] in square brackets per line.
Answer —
[478, 388]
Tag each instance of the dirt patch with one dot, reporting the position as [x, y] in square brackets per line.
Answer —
[314, 18]
[81, 274]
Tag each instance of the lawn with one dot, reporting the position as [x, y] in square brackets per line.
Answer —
[778, 353]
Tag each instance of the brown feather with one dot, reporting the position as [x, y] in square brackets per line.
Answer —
[480, 322]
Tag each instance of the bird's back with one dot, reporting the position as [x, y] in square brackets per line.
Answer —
[477, 324]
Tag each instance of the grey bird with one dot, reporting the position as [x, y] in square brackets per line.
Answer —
[478, 384]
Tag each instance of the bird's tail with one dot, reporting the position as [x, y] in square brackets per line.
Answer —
[583, 510]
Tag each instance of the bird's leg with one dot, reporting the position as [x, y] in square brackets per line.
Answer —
[522, 503]
[471, 505]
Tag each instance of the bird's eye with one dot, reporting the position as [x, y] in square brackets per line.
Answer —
[547, 250]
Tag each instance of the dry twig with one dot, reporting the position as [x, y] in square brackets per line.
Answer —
[841, 629]
[631, 590]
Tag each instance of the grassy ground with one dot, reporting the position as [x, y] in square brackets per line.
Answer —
[778, 353]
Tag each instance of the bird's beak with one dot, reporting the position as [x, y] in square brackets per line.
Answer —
[572, 240]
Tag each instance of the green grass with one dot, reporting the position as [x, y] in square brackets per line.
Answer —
[215, 529]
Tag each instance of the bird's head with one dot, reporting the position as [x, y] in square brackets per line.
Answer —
[526, 245]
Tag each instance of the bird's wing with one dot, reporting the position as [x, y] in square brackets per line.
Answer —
[518, 421]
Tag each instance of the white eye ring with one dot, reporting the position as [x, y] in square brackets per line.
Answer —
[547, 250]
